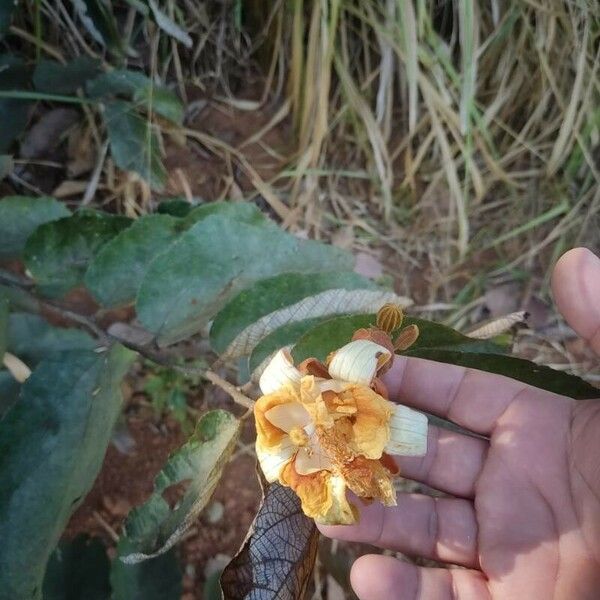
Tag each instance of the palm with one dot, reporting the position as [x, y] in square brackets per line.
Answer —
[528, 520]
[522, 503]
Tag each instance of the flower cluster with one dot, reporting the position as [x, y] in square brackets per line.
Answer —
[325, 428]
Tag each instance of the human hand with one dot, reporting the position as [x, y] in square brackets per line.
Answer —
[524, 511]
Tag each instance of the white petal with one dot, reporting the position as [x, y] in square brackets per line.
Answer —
[408, 432]
[286, 416]
[358, 361]
[279, 372]
[271, 463]
[317, 460]
[18, 369]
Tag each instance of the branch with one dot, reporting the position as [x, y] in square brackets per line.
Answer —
[131, 337]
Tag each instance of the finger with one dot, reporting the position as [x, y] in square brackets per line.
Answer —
[576, 289]
[441, 529]
[452, 464]
[473, 399]
[376, 577]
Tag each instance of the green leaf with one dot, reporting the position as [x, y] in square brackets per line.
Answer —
[169, 26]
[6, 165]
[20, 216]
[176, 207]
[277, 559]
[4, 304]
[334, 333]
[155, 579]
[116, 272]
[55, 78]
[9, 392]
[14, 114]
[6, 10]
[443, 344]
[193, 471]
[57, 254]
[284, 336]
[144, 93]
[269, 295]
[214, 260]
[520, 369]
[133, 143]
[78, 570]
[32, 338]
[97, 17]
[52, 443]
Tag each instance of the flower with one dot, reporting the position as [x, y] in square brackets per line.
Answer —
[324, 429]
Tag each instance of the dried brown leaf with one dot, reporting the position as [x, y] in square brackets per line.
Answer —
[277, 558]
[498, 326]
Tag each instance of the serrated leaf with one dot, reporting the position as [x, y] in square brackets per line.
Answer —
[273, 294]
[133, 143]
[57, 78]
[78, 570]
[32, 338]
[52, 443]
[116, 273]
[214, 260]
[154, 527]
[20, 216]
[169, 26]
[57, 254]
[283, 337]
[328, 303]
[97, 17]
[277, 559]
[144, 93]
[155, 579]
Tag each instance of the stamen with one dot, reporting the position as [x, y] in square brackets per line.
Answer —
[298, 436]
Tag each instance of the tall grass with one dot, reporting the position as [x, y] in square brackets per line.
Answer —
[502, 98]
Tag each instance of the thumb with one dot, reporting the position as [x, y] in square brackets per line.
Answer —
[576, 289]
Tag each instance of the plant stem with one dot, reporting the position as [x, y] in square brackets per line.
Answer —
[31, 303]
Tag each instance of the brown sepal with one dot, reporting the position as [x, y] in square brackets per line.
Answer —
[312, 366]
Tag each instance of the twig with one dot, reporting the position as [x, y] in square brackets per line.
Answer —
[233, 391]
[114, 536]
[153, 353]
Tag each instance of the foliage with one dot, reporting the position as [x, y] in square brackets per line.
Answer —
[183, 273]
[404, 104]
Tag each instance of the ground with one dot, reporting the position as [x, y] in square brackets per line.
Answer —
[145, 438]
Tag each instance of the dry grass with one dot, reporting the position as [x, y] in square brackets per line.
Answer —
[457, 141]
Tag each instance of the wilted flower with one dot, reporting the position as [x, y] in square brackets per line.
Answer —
[323, 429]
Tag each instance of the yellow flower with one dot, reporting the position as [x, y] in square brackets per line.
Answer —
[324, 429]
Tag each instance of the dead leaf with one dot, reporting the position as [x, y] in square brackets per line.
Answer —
[368, 266]
[498, 326]
[278, 556]
[81, 152]
[70, 188]
[47, 133]
[503, 299]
